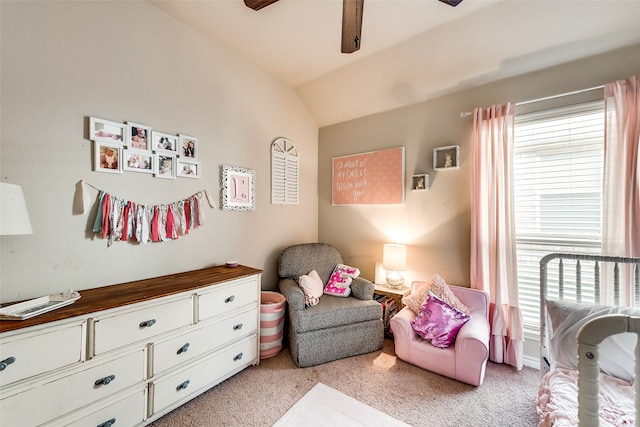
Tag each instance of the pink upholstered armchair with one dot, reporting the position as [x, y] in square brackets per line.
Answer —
[466, 360]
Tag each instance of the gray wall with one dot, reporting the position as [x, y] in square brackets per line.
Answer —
[127, 61]
[436, 224]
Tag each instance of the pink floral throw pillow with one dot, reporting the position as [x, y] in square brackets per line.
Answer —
[438, 322]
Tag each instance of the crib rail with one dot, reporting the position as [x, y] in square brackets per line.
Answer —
[576, 264]
[590, 335]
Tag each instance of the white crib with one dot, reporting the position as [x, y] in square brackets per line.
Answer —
[577, 372]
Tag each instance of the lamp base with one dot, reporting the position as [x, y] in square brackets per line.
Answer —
[394, 279]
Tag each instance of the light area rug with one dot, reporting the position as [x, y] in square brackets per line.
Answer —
[324, 406]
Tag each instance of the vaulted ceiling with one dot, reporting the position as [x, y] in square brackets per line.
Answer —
[411, 50]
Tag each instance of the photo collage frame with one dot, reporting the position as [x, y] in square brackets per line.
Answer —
[134, 147]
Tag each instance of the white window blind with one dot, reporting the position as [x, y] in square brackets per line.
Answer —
[558, 169]
[284, 172]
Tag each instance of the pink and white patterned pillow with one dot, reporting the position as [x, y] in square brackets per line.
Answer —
[340, 280]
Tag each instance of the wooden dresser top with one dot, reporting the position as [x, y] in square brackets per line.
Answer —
[107, 297]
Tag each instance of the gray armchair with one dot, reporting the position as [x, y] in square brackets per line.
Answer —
[336, 327]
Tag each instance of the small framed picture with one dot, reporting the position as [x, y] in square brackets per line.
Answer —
[139, 161]
[106, 131]
[420, 182]
[163, 141]
[188, 168]
[446, 157]
[166, 162]
[237, 188]
[138, 136]
[107, 157]
[188, 146]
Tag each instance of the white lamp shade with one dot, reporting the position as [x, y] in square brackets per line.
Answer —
[14, 218]
[394, 257]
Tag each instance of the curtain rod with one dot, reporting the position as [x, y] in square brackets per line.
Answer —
[464, 114]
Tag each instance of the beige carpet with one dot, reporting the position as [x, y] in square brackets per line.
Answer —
[260, 395]
[324, 406]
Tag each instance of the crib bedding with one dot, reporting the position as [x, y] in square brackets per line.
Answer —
[557, 402]
[616, 352]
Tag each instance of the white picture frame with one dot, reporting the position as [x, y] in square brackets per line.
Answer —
[188, 146]
[166, 165]
[107, 131]
[107, 157]
[138, 136]
[161, 141]
[141, 161]
[188, 168]
[237, 188]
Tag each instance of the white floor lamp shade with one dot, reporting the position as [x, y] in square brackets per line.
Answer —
[394, 260]
[14, 218]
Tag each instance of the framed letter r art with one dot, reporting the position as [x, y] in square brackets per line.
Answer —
[237, 188]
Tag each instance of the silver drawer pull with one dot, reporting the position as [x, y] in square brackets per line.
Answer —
[183, 349]
[148, 323]
[237, 357]
[109, 423]
[183, 386]
[237, 327]
[6, 362]
[230, 299]
[105, 380]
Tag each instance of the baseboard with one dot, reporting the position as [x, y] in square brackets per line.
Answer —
[531, 362]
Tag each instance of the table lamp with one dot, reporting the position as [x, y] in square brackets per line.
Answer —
[14, 218]
[394, 260]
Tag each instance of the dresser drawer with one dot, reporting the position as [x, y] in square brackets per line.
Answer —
[128, 411]
[211, 370]
[53, 399]
[33, 353]
[225, 298]
[128, 327]
[179, 350]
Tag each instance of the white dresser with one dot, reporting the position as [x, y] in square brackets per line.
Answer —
[124, 355]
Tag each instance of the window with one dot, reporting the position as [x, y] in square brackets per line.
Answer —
[558, 170]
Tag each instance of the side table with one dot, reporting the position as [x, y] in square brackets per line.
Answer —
[391, 300]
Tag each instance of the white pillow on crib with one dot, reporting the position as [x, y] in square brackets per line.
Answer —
[616, 352]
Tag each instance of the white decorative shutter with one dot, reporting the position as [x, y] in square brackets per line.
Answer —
[284, 172]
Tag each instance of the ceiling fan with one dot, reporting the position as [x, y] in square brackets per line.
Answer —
[351, 20]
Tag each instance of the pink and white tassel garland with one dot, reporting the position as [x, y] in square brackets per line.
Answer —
[120, 219]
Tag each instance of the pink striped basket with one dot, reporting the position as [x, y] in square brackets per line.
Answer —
[272, 309]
